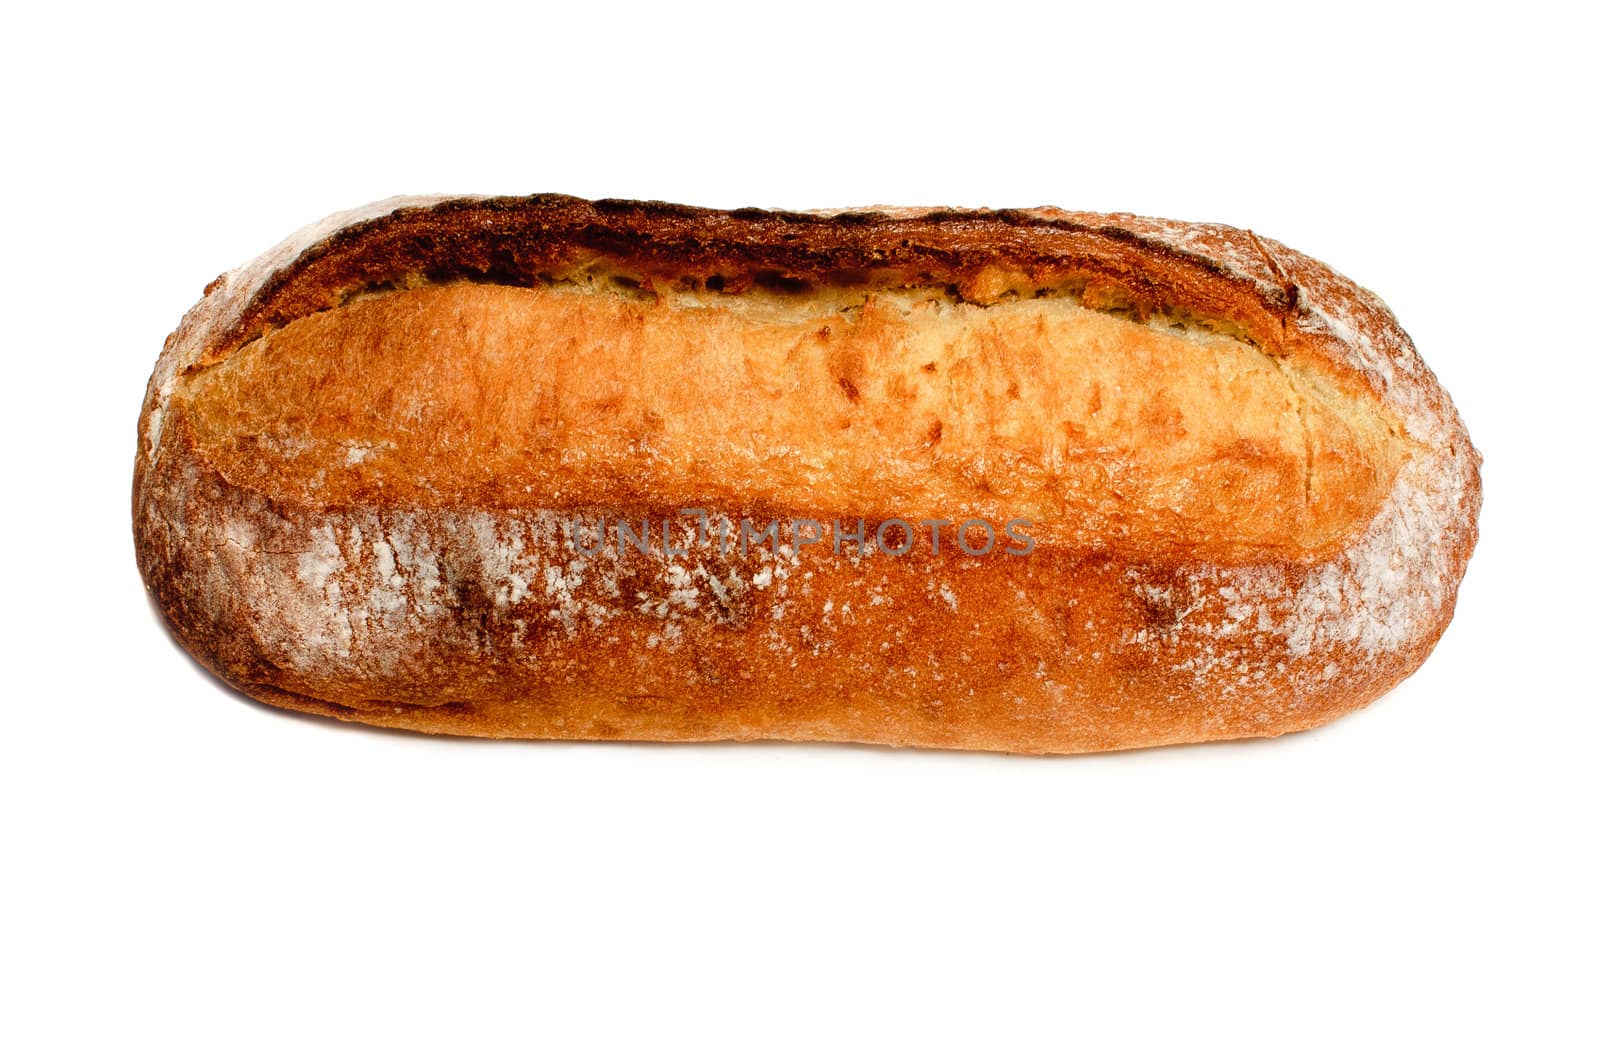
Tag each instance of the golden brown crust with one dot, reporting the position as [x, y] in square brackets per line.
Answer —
[416, 590]
[491, 397]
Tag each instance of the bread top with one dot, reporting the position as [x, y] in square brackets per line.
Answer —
[1254, 408]
[594, 390]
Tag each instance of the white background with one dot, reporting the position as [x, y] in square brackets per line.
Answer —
[189, 876]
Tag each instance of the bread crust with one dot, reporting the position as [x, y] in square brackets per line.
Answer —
[468, 615]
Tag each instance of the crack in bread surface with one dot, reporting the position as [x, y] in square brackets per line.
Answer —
[911, 403]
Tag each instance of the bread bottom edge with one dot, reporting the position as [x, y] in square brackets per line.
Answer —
[469, 722]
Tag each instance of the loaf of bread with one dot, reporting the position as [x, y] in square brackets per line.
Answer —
[1031, 481]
